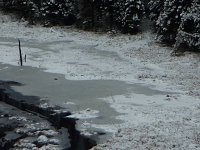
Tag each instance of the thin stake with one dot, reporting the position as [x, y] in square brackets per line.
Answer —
[25, 58]
[20, 54]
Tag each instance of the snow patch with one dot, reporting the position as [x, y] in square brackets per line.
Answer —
[85, 114]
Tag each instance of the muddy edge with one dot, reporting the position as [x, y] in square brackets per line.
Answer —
[52, 114]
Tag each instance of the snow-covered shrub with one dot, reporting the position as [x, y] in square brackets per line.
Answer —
[55, 11]
[28, 8]
[129, 14]
[189, 31]
[122, 14]
[59, 11]
[85, 17]
[20, 4]
[14, 3]
[107, 14]
[97, 14]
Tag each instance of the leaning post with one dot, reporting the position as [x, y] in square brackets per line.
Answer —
[20, 54]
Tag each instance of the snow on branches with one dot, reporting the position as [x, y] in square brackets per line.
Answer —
[125, 15]
[189, 31]
[175, 21]
[55, 11]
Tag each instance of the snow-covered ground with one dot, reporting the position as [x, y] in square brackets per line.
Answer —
[150, 121]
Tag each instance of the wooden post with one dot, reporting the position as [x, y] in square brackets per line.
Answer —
[25, 58]
[20, 54]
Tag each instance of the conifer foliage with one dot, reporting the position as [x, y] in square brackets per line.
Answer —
[169, 19]
[176, 21]
[28, 8]
[129, 14]
[188, 35]
[124, 15]
[56, 11]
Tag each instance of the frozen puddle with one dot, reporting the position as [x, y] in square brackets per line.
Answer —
[86, 95]
[77, 61]
[70, 94]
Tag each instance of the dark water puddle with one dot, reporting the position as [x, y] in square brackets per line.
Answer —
[58, 119]
[84, 94]
[56, 90]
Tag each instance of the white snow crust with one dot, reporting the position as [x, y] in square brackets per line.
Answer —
[156, 122]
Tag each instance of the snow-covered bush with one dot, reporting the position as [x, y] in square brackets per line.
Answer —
[189, 31]
[59, 11]
[55, 11]
[21, 5]
[125, 15]
[129, 14]
[108, 14]
[28, 8]
[85, 17]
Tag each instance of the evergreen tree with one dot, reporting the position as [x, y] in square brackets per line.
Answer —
[155, 8]
[188, 36]
[176, 21]
[169, 19]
